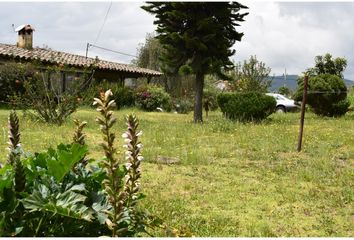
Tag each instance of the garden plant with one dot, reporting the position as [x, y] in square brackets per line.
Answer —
[123, 96]
[152, 97]
[249, 106]
[327, 95]
[59, 192]
[232, 178]
[327, 92]
[251, 76]
[35, 89]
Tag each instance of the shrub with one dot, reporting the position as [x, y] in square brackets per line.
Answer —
[285, 91]
[149, 98]
[92, 91]
[210, 99]
[326, 95]
[123, 96]
[40, 93]
[46, 103]
[183, 105]
[12, 77]
[351, 98]
[246, 106]
[54, 193]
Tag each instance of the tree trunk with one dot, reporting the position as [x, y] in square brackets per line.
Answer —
[198, 104]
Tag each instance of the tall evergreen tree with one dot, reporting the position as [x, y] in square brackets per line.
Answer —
[198, 37]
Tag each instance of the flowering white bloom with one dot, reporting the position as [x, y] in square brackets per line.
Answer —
[97, 101]
[125, 135]
[108, 93]
[128, 165]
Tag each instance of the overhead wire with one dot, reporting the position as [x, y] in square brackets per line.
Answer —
[104, 22]
[106, 49]
[99, 34]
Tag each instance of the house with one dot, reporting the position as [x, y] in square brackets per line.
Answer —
[24, 52]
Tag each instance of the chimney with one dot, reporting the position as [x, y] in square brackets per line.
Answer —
[25, 36]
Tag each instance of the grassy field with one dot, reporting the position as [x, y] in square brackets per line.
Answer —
[233, 179]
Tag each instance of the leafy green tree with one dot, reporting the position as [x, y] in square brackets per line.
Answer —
[327, 92]
[252, 75]
[148, 53]
[148, 56]
[284, 91]
[328, 65]
[197, 37]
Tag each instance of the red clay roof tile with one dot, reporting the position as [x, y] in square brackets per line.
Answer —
[74, 60]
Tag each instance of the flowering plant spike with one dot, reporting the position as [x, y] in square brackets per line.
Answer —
[114, 182]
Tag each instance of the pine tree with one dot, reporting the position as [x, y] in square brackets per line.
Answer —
[197, 37]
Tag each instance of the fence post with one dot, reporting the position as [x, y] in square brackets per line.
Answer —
[302, 119]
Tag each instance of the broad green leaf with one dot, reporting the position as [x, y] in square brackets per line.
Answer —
[69, 204]
[101, 210]
[78, 187]
[40, 159]
[8, 200]
[66, 158]
[6, 178]
[18, 230]
[101, 207]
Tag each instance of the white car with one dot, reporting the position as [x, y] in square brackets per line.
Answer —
[284, 104]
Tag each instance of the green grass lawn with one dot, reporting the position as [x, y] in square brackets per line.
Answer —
[233, 179]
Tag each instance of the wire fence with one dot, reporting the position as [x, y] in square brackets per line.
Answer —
[312, 92]
[324, 92]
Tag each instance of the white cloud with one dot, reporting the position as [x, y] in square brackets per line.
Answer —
[68, 26]
[283, 35]
[290, 35]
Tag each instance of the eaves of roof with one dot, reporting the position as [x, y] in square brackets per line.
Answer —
[74, 60]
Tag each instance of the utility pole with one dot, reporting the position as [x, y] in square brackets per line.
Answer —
[302, 118]
[87, 47]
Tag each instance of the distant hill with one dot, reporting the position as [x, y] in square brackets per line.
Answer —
[291, 82]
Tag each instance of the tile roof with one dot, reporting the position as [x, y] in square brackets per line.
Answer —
[56, 57]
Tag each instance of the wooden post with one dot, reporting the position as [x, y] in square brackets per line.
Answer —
[121, 81]
[63, 79]
[302, 119]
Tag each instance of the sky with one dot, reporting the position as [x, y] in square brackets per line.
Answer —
[284, 35]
